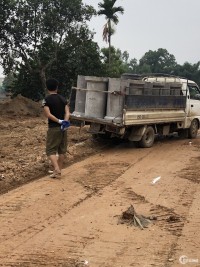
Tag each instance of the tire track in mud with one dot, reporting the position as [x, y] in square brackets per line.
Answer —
[187, 198]
[97, 177]
[10, 208]
[167, 218]
[8, 186]
[92, 187]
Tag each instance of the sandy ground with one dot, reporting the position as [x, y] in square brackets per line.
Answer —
[22, 143]
[76, 221]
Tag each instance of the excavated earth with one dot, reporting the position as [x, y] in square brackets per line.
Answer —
[77, 220]
[22, 143]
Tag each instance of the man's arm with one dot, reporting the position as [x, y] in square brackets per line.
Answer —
[67, 113]
[49, 115]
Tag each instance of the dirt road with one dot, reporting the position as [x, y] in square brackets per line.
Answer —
[75, 221]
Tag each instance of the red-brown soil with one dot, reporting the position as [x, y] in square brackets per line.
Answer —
[75, 221]
[22, 143]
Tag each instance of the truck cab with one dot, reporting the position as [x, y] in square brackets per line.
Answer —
[193, 100]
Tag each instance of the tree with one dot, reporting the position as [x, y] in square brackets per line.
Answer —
[189, 71]
[119, 64]
[8, 82]
[33, 32]
[133, 65]
[158, 61]
[79, 55]
[107, 8]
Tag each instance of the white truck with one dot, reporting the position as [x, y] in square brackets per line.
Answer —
[137, 107]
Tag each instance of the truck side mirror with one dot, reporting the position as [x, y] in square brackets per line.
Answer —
[197, 97]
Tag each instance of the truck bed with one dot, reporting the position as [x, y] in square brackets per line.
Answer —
[128, 102]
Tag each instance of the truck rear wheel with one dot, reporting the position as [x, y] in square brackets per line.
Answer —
[193, 130]
[147, 138]
[183, 133]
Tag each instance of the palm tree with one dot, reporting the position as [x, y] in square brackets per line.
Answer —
[107, 8]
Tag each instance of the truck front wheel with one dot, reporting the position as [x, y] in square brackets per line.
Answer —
[147, 138]
[193, 130]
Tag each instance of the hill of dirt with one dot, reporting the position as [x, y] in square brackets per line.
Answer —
[22, 143]
[20, 106]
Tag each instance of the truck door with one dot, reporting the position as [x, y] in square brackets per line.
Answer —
[194, 103]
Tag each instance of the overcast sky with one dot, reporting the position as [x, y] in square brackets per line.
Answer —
[152, 24]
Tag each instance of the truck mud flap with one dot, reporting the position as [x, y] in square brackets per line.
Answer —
[137, 133]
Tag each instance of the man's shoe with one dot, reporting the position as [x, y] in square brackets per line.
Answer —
[55, 175]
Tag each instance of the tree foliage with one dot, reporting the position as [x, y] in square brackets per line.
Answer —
[50, 38]
[108, 9]
[32, 33]
[119, 63]
[161, 61]
[78, 56]
[8, 82]
[158, 61]
[190, 71]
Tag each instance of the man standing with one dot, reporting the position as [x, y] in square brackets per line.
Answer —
[56, 110]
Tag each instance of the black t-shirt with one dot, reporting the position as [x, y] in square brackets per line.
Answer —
[56, 104]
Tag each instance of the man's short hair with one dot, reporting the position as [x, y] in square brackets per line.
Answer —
[52, 84]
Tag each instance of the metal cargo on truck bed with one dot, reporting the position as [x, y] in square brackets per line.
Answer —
[125, 102]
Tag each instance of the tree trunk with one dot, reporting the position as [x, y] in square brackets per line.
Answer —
[109, 43]
[43, 80]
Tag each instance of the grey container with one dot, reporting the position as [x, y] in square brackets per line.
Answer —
[115, 100]
[136, 87]
[166, 90]
[80, 96]
[95, 98]
[175, 88]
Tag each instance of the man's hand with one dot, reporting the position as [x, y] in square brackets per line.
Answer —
[60, 121]
[64, 125]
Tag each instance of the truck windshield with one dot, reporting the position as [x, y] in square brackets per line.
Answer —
[194, 92]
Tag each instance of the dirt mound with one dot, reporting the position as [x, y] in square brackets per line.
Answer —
[22, 148]
[20, 106]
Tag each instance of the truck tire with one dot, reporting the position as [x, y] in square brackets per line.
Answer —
[183, 133]
[147, 138]
[193, 130]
